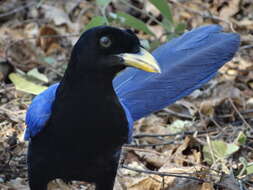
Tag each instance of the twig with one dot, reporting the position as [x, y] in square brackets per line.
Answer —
[180, 115]
[240, 115]
[246, 47]
[174, 134]
[247, 111]
[163, 184]
[163, 174]
[210, 148]
[218, 126]
[160, 135]
[7, 89]
[18, 9]
[148, 145]
[248, 182]
[11, 115]
[242, 186]
[141, 150]
[247, 147]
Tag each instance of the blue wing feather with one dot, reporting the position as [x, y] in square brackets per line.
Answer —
[39, 111]
[187, 63]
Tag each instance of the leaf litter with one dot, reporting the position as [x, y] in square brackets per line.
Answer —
[202, 142]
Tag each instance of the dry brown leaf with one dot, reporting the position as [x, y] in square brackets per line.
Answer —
[180, 158]
[31, 30]
[46, 43]
[154, 158]
[207, 108]
[154, 182]
[230, 10]
[24, 55]
[207, 186]
[53, 48]
[57, 14]
[145, 184]
[246, 23]
[58, 185]
[7, 33]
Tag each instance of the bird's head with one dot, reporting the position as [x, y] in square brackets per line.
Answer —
[107, 48]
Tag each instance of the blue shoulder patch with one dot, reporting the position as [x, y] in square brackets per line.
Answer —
[39, 111]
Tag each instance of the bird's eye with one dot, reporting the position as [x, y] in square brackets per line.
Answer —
[105, 42]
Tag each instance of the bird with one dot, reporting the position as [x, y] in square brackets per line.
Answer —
[63, 142]
[83, 137]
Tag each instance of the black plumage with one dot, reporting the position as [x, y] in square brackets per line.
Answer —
[83, 137]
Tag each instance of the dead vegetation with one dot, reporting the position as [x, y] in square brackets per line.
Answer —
[202, 142]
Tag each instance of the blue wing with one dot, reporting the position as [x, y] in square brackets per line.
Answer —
[39, 111]
[187, 63]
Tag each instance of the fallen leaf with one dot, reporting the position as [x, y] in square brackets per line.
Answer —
[207, 186]
[56, 14]
[230, 10]
[218, 150]
[24, 85]
[37, 75]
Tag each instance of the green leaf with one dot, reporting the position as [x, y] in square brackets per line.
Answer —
[24, 85]
[164, 8]
[96, 21]
[171, 36]
[167, 26]
[241, 138]
[37, 75]
[128, 20]
[249, 168]
[218, 150]
[103, 3]
[180, 28]
[231, 149]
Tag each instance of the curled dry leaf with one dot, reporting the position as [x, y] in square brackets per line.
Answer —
[49, 45]
[186, 154]
[156, 182]
[207, 108]
[154, 158]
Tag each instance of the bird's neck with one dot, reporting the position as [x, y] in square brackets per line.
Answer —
[86, 109]
[85, 83]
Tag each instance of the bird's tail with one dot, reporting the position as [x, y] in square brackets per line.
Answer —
[186, 62]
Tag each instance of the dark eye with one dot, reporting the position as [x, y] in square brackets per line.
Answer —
[105, 41]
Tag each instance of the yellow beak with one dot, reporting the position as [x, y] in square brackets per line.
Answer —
[142, 60]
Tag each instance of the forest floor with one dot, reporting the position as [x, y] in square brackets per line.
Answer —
[202, 142]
